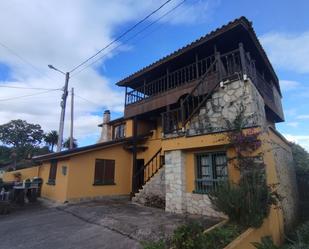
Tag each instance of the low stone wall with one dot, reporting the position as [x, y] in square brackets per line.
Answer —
[200, 204]
[154, 187]
[177, 200]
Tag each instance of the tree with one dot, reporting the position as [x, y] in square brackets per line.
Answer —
[21, 138]
[301, 158]
[51, 138]
[18, 133]
[66, 143]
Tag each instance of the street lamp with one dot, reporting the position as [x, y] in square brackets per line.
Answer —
[63, 105]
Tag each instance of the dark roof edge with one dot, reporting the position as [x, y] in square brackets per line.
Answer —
[68, 153]
[180, 51]
[238, 21]
[114, 121]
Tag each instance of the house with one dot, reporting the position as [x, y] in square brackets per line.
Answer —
[171, 141]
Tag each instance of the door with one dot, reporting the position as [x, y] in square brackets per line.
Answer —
[139, 174]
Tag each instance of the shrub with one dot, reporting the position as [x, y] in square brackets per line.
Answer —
[266, 243]
[220, 237]
[189, 236]
[154, 245]
[246, 203]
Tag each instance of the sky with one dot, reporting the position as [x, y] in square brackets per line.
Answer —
[36, 33]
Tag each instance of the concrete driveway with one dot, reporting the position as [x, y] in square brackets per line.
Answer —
[98, 224]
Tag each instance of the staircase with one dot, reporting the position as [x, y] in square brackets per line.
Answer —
[148, 171]
[225, 66]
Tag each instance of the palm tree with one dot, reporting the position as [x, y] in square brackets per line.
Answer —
[51, 139]
[66, 143]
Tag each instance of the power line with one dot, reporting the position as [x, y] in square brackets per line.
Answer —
[120, 36]
[91, 102]
[26, 61]
[27, 95]
[29, 88]
[132, 37]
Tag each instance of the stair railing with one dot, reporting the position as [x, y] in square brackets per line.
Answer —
[145, 173]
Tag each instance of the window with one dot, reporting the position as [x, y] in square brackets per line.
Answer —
[104, 172]
[119, 131]
[52, 173]
[211, 168]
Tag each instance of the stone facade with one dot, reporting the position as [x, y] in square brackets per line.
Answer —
[224, 105]
[177, 200]
[154, 187]
[287, 188]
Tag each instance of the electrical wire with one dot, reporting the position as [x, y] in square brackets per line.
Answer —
[120, 36]
[27, 95]
[29, 88]
[132, 37]
[91, 102]
[25, 61]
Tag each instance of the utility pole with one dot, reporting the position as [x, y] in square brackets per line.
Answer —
[62, 116]
[72, 118]
[63, 105]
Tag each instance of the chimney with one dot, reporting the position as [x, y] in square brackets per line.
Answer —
[106, 133]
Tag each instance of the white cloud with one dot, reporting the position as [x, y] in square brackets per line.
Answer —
[64, 33]
[287, 85]
[305, 116]
[288, 51]
[292, 124]
[303, 140]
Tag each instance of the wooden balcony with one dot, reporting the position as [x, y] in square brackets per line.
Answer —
[168, 89]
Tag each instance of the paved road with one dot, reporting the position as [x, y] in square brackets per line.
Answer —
[110, 225]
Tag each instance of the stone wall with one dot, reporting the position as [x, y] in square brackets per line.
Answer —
[177, 200]
[154, 187]
[224, 105]
[287, 188]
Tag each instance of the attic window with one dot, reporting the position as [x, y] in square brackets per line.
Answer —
[104, 172]
[119, 131]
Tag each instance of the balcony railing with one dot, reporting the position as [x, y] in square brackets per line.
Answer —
[204, 186]
[170, 80]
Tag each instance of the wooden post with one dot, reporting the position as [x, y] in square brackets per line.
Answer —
[243, 59]
[144, 88]
[72, 119]
[126, 96]
[182, 114]
[134, 155]
[167, 79]
[217, 55]
[196, 65]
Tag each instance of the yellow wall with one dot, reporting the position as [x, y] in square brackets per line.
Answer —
[57, 192]
[27, 173]
[191, 171]
[269, 227]
[81, 173]
[129, 128]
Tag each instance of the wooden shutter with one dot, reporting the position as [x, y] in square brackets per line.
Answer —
[99, 169]
[104, 171]
[109, 171]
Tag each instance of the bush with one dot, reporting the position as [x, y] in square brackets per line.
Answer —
[247, 203]
[220, 237]
[189, 236]
[154, 245]
[266, 243]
